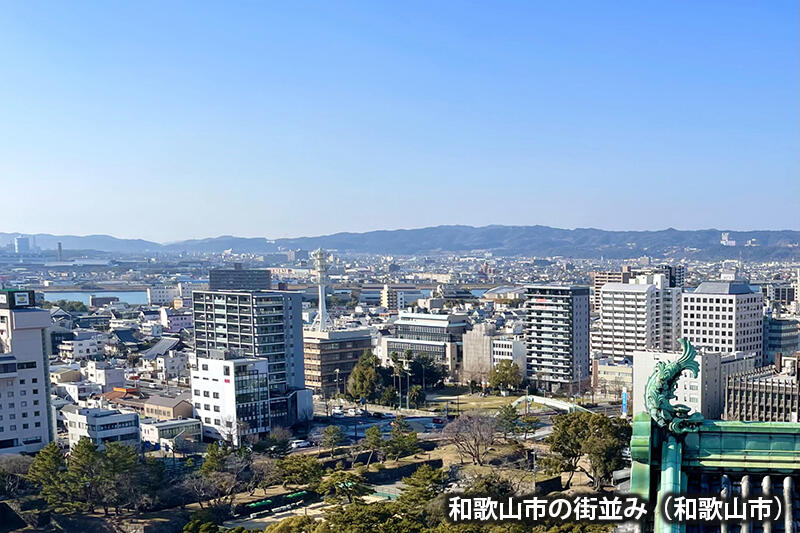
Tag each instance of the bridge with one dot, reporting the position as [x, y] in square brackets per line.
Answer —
[559, 405]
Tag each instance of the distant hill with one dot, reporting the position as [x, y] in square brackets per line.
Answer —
[505, 240]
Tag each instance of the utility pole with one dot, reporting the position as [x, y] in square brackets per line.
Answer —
[408, 389]
[337, 381]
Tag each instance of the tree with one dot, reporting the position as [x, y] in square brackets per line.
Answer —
[421, 487]
[402, 440]
[388, 396]
[116, 479]
[344, 485]
[416, 396]
[332, 436]
[364, 380]
[529, 424]
[373, 441]
[472, 434]
[263, 474]
[507, 420]
[215, 459]
[277, 444]
[47, 471]
[300, 470]
[294, 524]
[83, 478]
[13, 469]
[505, 376]
[593, 434]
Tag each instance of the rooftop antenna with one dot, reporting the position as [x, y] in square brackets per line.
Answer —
[322, 321]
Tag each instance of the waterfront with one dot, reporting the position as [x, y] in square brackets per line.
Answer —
[131, 297]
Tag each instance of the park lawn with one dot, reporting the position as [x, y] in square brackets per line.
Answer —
[472, 402]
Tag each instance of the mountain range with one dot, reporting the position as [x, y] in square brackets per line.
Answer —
[501, 240]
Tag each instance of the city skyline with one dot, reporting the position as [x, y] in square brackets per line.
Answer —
[387, 116]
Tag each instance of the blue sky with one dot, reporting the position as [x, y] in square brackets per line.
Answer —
[172, 120]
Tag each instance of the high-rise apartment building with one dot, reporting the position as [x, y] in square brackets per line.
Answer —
[239, 279]
[557, 334]
[248, 372]
[601, 278]
[330, 357]
[643, 314]
[724, 316]
[25, 417]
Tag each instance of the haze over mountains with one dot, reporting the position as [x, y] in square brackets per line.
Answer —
[502, 240]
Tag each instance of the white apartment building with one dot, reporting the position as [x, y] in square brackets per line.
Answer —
[25, 414]
[162, 294]
[86, 344]
[171, 365]
[725, 317]
[103, 374]
[232, 398]
[100, 425]
[705, 393]
[643, 314]
[248, 339]
[557, 335]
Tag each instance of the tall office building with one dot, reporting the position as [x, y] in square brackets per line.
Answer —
[780, 337]
[601, 278]
[248, 377]
[643, 314]
[724, 316]
[330, 355]
[239, 279]
[22, 245]
[557, 334]
[25, 417]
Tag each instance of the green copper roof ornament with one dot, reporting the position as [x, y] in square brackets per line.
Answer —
[660, 391]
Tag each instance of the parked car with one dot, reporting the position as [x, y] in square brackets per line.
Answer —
[299, 443]
[337, 412]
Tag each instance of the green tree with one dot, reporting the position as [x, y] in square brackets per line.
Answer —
[388, 396]
[421, 488]
[332, 436]
[47, 471]
[373, 441]
[82, 481]
[344, 485]
[416, 396]
[364, 380]
[505, 376]
[116, 478]
[402, 440]
[215, 459]
[507, 420]
[594, 435]
[529, 423]
[300, 470]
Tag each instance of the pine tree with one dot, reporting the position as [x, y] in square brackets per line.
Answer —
[48, 470]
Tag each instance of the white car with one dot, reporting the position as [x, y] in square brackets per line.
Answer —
[337, 413]
[299, 443]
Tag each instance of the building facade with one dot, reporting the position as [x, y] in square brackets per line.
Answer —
[262, 330]
[557, 335]
[764, 394]
[600, 278]
[329, 357]
[484, 348]
[240, 279]
[643, 314]
[100, 425]
[438, 336]
[162, 294]
[25, 416]
[724, 316]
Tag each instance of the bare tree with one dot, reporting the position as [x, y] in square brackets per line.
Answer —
[472, 434]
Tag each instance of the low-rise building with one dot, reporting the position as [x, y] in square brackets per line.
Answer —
[157, 431]
[104, 374]
[174, 320]
[100, 425]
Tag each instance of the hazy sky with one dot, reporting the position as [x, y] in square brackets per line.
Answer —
[172, 120]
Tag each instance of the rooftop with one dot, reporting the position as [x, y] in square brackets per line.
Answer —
[724, 287]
